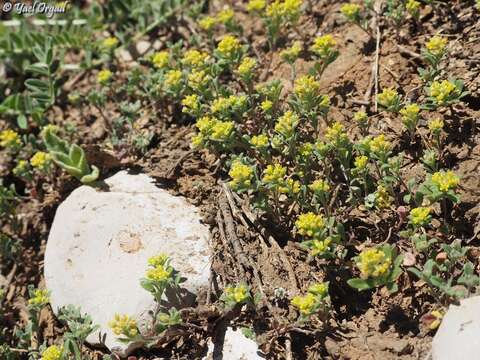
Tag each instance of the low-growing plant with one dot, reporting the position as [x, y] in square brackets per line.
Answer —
[316, 301]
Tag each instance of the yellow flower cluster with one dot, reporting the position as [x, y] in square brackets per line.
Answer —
[256, 5]
[274, 174]
[173, 79]
[435, 125]
[110, 42]
[360, 117]
[21, 168]
[373, 263]
[305, 150]
[336, 133]
[104, 76]
[290, 186]
[379, 145]
[10, 139]
[207, 23]
[323, 46]
[410, 114]
[157, 260]
[319, 186]
[388, 97]
[287, 123]
[318, 247]
[198, 80]
[289, 9]
[259, 141]
[413, 7]
[160, 270]
[420, 216]
[383, 199]
[237, 294]
[53, 352]
[308, 304]
[191, 104]
[195, 58]
[40, 159]
[241, 175]
[222, 104]
[442, 90]
[160, 59]
[229, 46]
[291, 54]
[445, 181]
[225, 16]
[266, 105]
[124, 325]
[351, 11]
[246, 67]
[212, 129]
[360, 162]
[436, 45]
[39, 298]
[310, 224]
[306, 86]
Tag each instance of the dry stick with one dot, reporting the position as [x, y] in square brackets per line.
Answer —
[172, 169]
[377, 6]
[223, 238]
[404, 50]
[288, 347]
[271, 240]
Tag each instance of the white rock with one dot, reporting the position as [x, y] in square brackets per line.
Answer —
[99, 244]
[458, 336]
[236, 346]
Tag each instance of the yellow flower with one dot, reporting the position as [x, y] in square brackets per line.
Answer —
[21, 168]
[274, 174]
[195, 58]
[104, 76]
[420, 216]
[207, 23]
[310, 224]
[220, 105]
[159, 273]
[225, 15]
[306, 86]
[275, 10]
[379, 145]
[291, 9]
[336, 133]
[319, 289]
[435, 125]
[222, 130]
[383, 199]
[360, 162]
[318, 247]
[360, 117]
[110, 42]
[53, 352]
[323, 46]
[388, 98]
[413, 7]
[290, 187]
[238, 294]
[410, 114]
[198, 141]
[441, 91]
[319, 186]
[40, 159]
[259, 141]
[158, 260]
[373, 263]
[229, 46]
[246, 67]
[173, 78]
[40, 297]
[305, 304]
[305, 150]
[241, 175]
[123, 325]
[287, 123]
[191, 104]
[198, 80]
[291, 54]
[436, 45]
[10, 139]
[256, 5]
[351, 11]
[445, 181]
[266, 105]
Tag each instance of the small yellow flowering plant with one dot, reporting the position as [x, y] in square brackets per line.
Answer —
[438, 186]
[316, 301]
[236, 295]
[378, 267]
[125, 328]
[229, 51]
[390, 100]
[445, 93]
[278, 15]
[243, 176]
[353, 13]
[410, 115]
[159, 275]
[53, 352]
[434, 51]
[325, 50]
[10, 139]
[41, 161]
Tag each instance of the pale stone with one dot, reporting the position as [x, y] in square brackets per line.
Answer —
[458, 336]
[100, 242]
[235, 346]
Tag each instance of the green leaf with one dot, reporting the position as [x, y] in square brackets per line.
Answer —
[22, 121]
[361, 284]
